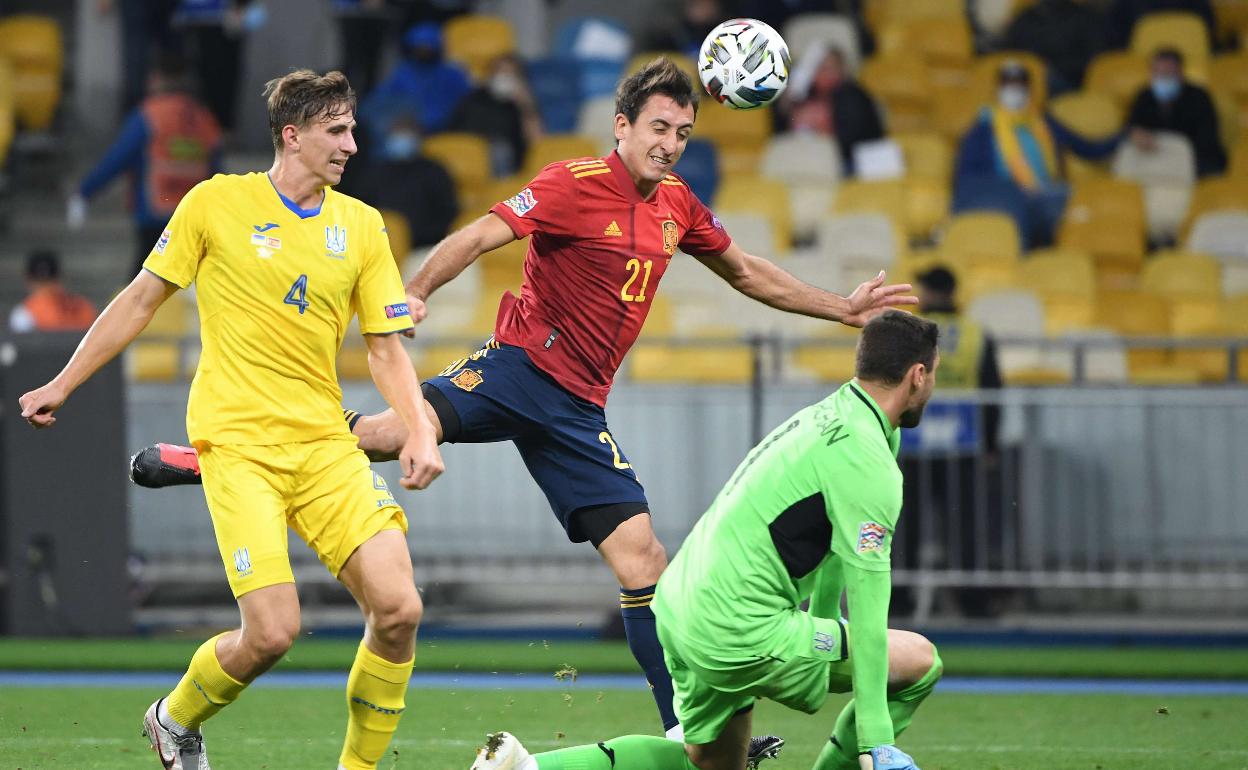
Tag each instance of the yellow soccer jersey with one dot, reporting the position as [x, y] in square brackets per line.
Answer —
[276, 288]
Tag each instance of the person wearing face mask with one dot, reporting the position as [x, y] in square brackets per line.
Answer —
[1014, 149]
[824, 99]
[501, 110]
[423, 82]
[397, 177]
[1170, 103]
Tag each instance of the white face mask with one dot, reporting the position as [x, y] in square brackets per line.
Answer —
[504, 85]
[1013, 97]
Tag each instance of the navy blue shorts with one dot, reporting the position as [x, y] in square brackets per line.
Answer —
[498, 394]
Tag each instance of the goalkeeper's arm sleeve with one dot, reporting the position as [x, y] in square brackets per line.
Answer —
[868, 593]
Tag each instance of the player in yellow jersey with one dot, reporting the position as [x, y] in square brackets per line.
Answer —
[281, 262]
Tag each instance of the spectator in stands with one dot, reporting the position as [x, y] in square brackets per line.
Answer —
[48, 306]
[1015, 148]
[1171, 103]
[1123, 15]
[686, 32]
[503, 111]
[423, 82]
[168, 144]
[824, 99]
[397, 177]
[212, 33]
[1065, 33]
[363, 27]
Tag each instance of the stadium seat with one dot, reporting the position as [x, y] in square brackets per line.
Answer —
[699, 167]
[596, 120]
[1106, 218]
[803, 31]
[1183, 31]
[981, 239]
[1212, 194]
[33, 47]
[901, 85]
[883, 12]
[740, 136]
[1014, 313]
[592, 38]
[1232, 19]
[769, 197]
[832, 361]
[557, 147]
[8, 109]
[503, 267]
[945, 45]
[1167, 174]
[1136, 314]
[1065, 281]
[353, 362]
[1230, 71]
[1191, 284]
[752, 231]
[1104, 362]
[927, 206]
[153, 362]
[642, 58]
[475, 41]
[993, 16]
[953, 110]
[700, 365]
[1090, 113]
[556, 86]
[600, 77]
[1118, 74]
[927, 154]
[1221, 234]
[810, 165]
[859, 245]
[399, 231]
[466, 157]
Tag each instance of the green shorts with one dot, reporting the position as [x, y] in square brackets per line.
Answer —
[712, 687]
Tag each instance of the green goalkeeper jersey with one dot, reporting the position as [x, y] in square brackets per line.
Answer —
[814, 505]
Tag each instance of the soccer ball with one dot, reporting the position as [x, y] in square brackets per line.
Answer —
[744, 64]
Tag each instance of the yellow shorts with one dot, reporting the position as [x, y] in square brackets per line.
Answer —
[324, 490]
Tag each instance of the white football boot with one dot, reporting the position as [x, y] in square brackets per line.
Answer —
[502, 751]
[177, 751]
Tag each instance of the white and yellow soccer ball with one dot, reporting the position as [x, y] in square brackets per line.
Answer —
[744, 64]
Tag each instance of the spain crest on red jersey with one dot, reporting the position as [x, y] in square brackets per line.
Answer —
[671, 236]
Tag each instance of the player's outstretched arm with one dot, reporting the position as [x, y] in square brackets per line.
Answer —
[121, 322]
[452, 255]
[770, 284]
[392, 372]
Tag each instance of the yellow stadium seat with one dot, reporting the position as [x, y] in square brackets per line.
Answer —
[953, 110]
[399, 231]
[1232, 114]
[33, 46]
[1136, 314]
[942, 43]
[981, 238]
[557, 147]
[1192, 283]
[1065, 281]
[1089, 113]
[504, 266]
[1230, 71]
[887, 196]
[709, 365]
[902, 86]
[985, 278]
[176, 317]
[927, 206]
[642, 58]
[1239, 157]
[1106, 218]
[8, 113]
[466, 157]
[1118, 74]
[1183, 31]
[353, 363]
[882, 12]
[153, 362]
[769, 197]
[739, 135]
[475, 41]
[1231, 17]
[1215, 194]
[927, 154]
[830, 362]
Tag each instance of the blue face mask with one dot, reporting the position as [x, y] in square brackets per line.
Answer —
[402, 146]
[1166, 88]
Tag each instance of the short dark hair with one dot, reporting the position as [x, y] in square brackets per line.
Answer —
[891, 343]
[43, 265]
[301, 97]
[660, 76]
[1168, 52]
[939, 278]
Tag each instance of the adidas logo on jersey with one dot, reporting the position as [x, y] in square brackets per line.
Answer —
[613, 230]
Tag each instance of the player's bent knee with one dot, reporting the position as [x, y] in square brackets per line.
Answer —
[399, 618]
[269, 642]
[911, 656]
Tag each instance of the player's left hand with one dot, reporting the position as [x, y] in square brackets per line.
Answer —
[417, 309]
[420, 459]
[39, 404]
[873, 297]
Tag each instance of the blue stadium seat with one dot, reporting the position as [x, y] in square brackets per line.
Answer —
[699, 166]
[556, 85]
[599, 77]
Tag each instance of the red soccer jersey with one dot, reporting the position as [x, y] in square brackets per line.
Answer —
[595, 259]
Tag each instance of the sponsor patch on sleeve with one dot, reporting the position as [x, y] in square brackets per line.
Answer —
[164, 241]
[522, 202]
[871, 537]
[396, 311]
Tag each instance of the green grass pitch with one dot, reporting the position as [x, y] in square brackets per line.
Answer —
[302, 728]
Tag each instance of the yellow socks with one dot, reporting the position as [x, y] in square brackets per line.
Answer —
[205, 688]
[375, 692]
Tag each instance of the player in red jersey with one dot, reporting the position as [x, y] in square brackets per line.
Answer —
[603, 231]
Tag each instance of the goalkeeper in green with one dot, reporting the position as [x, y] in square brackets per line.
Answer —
[809, 514]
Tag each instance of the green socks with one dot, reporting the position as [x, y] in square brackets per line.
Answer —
[632, 752]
